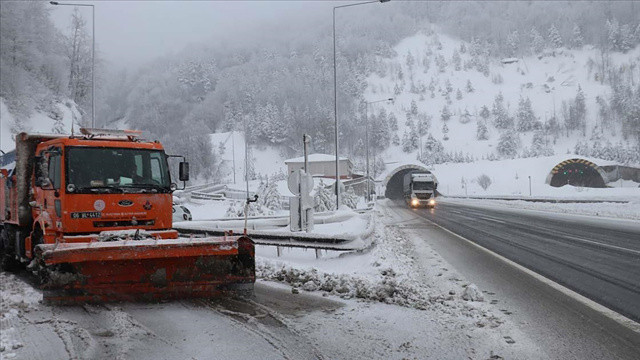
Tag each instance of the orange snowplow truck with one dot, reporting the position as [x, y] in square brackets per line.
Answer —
[92, 216]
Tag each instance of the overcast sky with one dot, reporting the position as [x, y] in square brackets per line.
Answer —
[130, 33]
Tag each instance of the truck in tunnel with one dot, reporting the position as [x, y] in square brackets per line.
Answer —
[420, 189]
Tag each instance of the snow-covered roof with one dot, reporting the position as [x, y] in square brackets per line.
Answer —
[315, 158]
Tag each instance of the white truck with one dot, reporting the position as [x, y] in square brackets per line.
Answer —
[420, 189]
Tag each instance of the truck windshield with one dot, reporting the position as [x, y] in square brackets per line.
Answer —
[116, 169]
[423, 185]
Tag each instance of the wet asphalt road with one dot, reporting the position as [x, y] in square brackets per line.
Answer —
[597, 258]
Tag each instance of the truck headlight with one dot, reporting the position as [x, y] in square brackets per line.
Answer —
[415, 202]
[432, 202]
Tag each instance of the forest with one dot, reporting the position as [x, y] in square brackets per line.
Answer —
[280, 85]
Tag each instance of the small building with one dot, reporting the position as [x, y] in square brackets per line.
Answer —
[322, 165]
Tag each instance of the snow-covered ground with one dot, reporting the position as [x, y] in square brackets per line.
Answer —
[630, 210]
[396, 299]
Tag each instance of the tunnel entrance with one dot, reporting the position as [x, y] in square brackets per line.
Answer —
[577, 172]
[394, 181]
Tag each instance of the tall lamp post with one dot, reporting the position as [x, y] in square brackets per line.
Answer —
[366, 118]
[93, 56]
[335, 91]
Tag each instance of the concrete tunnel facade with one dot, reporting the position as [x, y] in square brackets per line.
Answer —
[577, 172]
[393, 181]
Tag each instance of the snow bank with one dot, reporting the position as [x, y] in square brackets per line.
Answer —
[17, 298]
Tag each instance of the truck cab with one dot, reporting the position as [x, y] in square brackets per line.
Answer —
[420, 189]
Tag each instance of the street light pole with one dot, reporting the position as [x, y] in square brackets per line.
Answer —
[93, 56]
[335, 92]
[366, 118]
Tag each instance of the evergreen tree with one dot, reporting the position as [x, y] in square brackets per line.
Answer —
[458, 95]
[410, 60]
[501, 117]
[445, 115]
[393, 122]
[578, 40]
[508, 144]
[406, 142]
[482, 133]
[626, 38]
[58, 127]
[554, 37]
[513, 42]
[537, 42]
[424, 122]
[613, 34]
[484, 112]
[414, 107]
[456, 60]
[397, 89]
[525, 116]
[539, 146]
[433, 152]
[396, 139]
[470, 88]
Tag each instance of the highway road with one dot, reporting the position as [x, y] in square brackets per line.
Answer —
[595, 257]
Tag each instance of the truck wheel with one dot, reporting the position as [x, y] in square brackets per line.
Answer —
[8, 261]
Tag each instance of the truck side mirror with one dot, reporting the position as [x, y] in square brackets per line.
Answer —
[184, 171]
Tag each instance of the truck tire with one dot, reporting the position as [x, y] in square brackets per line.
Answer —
[8, 261]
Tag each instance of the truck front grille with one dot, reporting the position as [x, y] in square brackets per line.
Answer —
[120, 223]
[423, 196]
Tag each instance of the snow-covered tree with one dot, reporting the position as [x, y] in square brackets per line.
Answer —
[513, 42]
[456, 60]
[501, 117]
[458, 95]
[323, 199]
[469, 88]
[485, 113]
[508, 144]
[525, 116]
[414, 108]
[393, 122]
[395, 140]
[554, 37]
[484, 181]
[349, 197]
[445, 115]
[577, 41]
[537, 41]
[482, 133]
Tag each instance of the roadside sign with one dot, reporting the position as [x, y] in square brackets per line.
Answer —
[300, 180]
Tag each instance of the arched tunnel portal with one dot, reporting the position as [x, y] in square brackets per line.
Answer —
[577, 172]
[394, 181]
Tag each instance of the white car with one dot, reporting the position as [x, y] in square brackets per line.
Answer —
[181, 213]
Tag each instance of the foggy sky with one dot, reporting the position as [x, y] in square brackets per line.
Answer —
[130, 33]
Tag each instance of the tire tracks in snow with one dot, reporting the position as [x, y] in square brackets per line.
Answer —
[267, 324]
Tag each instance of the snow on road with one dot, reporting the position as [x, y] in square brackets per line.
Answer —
[395, 299]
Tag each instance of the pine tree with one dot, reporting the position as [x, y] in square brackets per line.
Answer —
[410, 60]
[501, 117]
[406, 142]
[396, 139]
[58, 127]
[525, 116]
[509, 143]
[397, 90]
[484, 112]
[414, 107]
[445, 115]
[554, 37]
[513, 42]
[537, 42]
[456, 60]
[470, 88]
[424, 122]
[393, 122]
[578, 40]
[626, 38]
[482, 133]
[458, 95]
[613, 34]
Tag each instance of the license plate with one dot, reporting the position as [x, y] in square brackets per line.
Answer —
[86, 215]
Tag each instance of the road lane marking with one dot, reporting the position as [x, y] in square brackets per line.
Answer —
[611, 314]
[492, 219]
[635, 252]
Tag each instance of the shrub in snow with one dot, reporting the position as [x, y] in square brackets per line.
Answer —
[236, 210]
[323, 200]
[484, 181]
[349, 198]
[482, 133]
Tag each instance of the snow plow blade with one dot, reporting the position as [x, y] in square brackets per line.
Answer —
[145, 270]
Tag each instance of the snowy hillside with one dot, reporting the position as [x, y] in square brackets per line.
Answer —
[435, 74]
[57, 119]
